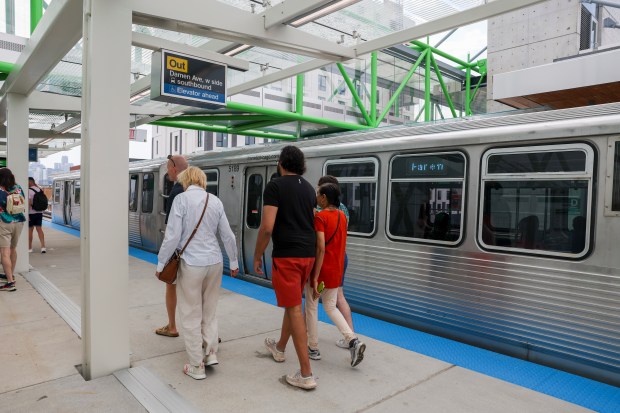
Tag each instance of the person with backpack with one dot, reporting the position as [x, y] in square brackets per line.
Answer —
[38, 203]
[12, 217]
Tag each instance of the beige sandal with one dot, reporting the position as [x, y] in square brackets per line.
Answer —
[165, 331]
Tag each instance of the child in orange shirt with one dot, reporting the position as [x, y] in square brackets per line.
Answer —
[331, 238]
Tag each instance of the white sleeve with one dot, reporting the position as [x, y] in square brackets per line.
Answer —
[228, 239]
[174, 230]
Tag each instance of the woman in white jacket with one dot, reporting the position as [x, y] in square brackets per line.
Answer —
[200, 271]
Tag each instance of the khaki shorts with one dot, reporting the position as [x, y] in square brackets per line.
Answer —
[9, 234]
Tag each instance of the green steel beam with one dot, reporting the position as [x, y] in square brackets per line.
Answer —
[6, 67]
[427, 85]
[356, 97]
[467, 89]
[256, 125]
[222, 129]
[424, 46]
[443, 87]
[373, 88]
[419, 114]
[299, 95]
[225, 118]
[299, 100]
[325, 131]
[295, 116]
[480, 66]
[400, 88]
[473, 95]
[336, 90]
[36, 12]
[440, 112]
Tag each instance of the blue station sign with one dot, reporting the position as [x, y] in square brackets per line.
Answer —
[187, 80]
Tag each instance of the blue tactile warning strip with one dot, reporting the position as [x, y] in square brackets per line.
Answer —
[584, 392]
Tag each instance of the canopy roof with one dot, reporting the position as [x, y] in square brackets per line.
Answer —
[275, 44]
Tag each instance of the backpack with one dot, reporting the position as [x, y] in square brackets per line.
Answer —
[39, 200]
[15, 203]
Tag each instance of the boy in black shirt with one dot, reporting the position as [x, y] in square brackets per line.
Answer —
[288, 218]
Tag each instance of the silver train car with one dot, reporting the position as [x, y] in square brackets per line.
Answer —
[494, 231]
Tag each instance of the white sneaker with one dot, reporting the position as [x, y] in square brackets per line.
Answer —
[357, 352]
[30, 250]
[43, 250]
[342, 343]
[211, 360]
[297, 380]
[195, 372]
[277, 355]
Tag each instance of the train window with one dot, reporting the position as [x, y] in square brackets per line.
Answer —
[535, 162]
[426, 197]
[167, 187]
[133, 192]
[148, 191]
[76, 192]
[358, 180]
[56, 192]
[545, 209]
[212, 180]
[615, 194]
[168, 184]
[255, 201]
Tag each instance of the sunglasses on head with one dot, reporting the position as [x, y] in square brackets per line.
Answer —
[171, 160]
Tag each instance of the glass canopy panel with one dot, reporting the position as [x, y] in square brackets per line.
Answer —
[370, 18]
[46, 121]
[374, 18]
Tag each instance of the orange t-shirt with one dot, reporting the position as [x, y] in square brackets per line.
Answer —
[333, 261]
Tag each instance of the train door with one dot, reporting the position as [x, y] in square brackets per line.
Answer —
[135, 237]
[66, 201]
[75, 207]
[255, 180]
[149, 217]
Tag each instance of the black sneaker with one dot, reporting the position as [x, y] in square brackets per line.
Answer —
[8, 287]
[357, 349]
[3, 277]
[314, 354]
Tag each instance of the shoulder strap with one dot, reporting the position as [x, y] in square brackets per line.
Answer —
[197, 225]
[336, 230]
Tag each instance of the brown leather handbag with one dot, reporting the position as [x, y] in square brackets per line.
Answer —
[169, 273]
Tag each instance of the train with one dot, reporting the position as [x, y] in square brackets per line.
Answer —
[497, 231]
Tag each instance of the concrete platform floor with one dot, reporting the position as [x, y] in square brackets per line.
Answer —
[40, 352]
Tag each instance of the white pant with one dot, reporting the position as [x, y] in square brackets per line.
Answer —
[329, 296]
[198, 289]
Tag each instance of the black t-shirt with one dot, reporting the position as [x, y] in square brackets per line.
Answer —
[177, 189]
[293, 232]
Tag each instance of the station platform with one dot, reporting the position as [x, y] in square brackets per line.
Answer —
[403, 370]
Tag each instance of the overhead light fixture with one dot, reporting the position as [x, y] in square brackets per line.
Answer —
[322, 11]
[44, 141]
[237, 49]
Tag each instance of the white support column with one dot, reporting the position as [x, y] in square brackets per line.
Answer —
[104, 177]
[17, 160]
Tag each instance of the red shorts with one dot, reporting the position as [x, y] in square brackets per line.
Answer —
[289, 278]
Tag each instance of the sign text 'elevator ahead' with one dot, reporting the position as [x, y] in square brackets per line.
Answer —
[187, 80]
